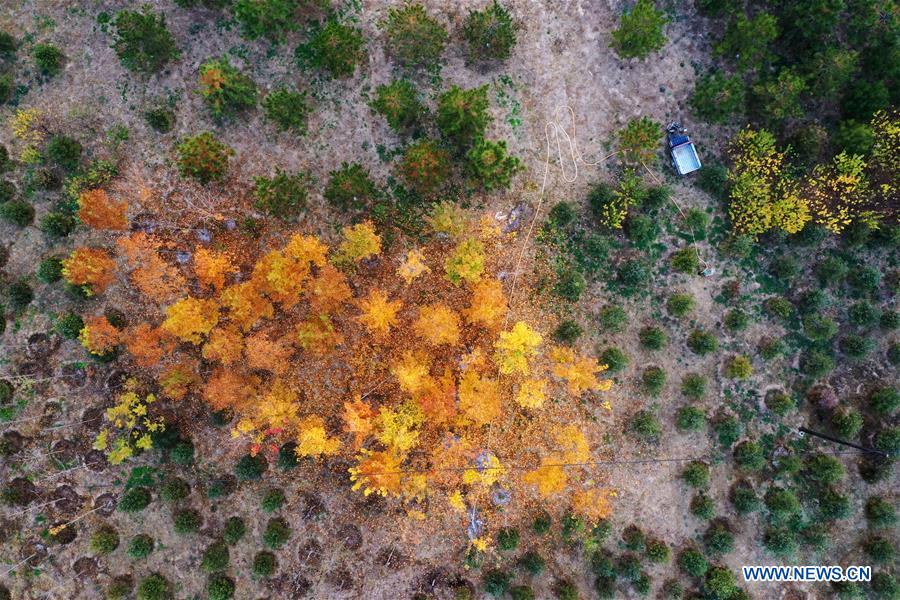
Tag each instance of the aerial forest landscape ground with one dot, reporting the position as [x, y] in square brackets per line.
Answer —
[406, 299]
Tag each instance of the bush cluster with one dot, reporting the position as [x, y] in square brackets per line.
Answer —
[19, 295]
[64, 151]
[234, 530]
[135, 499]
[415, 38]
[350, 188]
[215, 557]
[187, 521]
[272, 500]
[48, 59]
[264, 564]
[693, 385]
[334, 48]
[696, 474]
[225, 90]
[18, 212]
[653, 380]
[614, 359]
[702, 342]
[174, 489]
[425, 166]
[645, 426]
[680, 305]
[462, 114]
[398, 102]
[490, 34]
[104, 540]
[271, 19]
[283, 195]
[640, 31]
[203, 157]
[161, 118]
[288, 110]
[491, 165]
[140, 546]
[154, 587]
[142, 41]
[652, 338]
[277, 532]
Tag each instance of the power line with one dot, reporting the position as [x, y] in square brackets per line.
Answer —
[824, 436]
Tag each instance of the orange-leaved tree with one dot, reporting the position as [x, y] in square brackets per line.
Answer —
[92, 269]
[99, 336]
[96, 209]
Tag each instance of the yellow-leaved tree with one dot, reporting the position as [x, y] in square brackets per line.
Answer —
[147, 344]
[447, 218]
[129, 425]
[572, 451]
[763, 195]
[411, 371]
[360, 242]
[479, 398]
[437, 398]
[280, 277]
[466, 262]
[515, 347]
[179, 378]
[549, 478]
[225, 345]
[328, 291]
[151, 275]
[413, 266]
[378, 472]
[593, 504]
[579, 372]
[488, 305]
[532, 393]
[268, 353]
[313, 439]
[398, 429]
[407, 371]
[307, 249]
[437, 324]
[278, 408]
[246, 305]
[378, 313]
[838, 193]
[190, 319]
[318, 335]
[359, 419]
[227, 388]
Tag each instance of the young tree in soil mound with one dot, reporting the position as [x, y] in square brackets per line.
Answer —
[409, 364]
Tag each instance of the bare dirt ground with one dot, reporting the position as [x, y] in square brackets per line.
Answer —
[562, 59]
